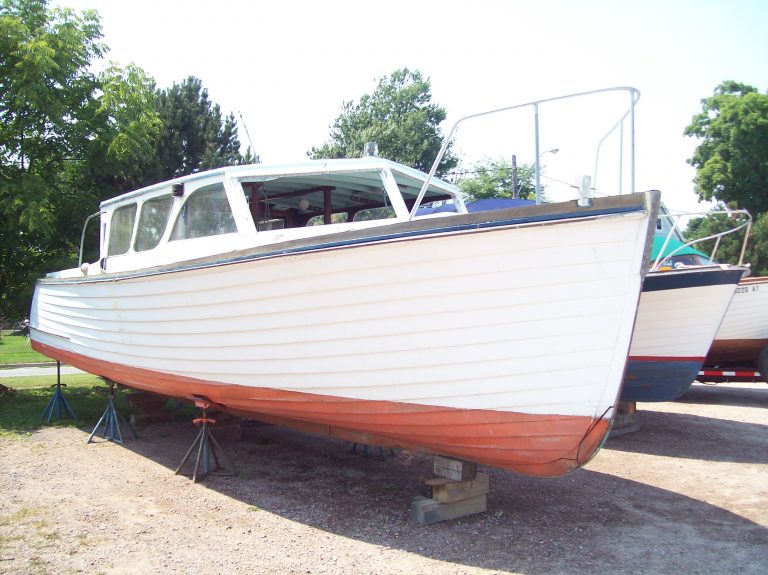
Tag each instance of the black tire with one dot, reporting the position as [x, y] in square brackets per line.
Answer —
[762, 364]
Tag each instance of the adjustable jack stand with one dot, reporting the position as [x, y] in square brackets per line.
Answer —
[58, 400]
[207, 446]
[111, 420]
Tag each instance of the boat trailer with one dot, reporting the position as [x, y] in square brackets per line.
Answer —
[729, 375]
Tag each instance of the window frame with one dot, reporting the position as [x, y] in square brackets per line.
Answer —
[113, 226]
[215, 187]
[167, 197]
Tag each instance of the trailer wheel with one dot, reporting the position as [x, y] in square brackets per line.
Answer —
[762, 364]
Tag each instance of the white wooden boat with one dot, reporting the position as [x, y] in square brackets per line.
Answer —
[741, 343]
[497, 337]
[679, 314]
[685, 297]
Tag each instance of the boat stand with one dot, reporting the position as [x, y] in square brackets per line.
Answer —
[207, 445]
[111, 421]
[58, 400]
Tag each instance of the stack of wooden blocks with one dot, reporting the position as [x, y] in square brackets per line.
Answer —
[458, 491]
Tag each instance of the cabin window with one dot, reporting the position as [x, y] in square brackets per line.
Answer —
[120, 230]
[205, 213]
[317, 199]
[152, 221]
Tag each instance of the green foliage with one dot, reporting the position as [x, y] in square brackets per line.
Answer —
[47, 108]
[730, 246]
[732, 160]
[494, 179]
[70, 139]
[126, 126]
[195, 137]
[46, 100]
[400, 117]
[129, 122]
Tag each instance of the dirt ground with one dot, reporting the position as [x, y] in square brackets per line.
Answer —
[688, 493]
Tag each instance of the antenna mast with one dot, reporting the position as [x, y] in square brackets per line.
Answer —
[250, 142]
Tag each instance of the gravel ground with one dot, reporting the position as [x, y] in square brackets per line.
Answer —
[688, 493]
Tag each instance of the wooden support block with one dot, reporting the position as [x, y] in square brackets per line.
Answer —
[428, 511]
[625, 420]
[454, 468]
[445, 490]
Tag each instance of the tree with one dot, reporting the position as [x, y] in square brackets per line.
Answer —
[730, 246]
[196, 136]
[61, 128]
[70, 139]
[400, 117]
[732, 160]
[494, 179]
[128, 124]
[127, 128]
[47, 104]
[46, 91]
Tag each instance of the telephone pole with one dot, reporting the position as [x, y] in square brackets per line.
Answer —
[514, 177]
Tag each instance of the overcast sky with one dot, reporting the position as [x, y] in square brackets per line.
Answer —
[288, 66]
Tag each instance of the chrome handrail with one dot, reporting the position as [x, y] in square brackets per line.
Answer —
[634, 97]
[675, 219]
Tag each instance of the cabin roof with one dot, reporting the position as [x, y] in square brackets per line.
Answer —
[348, 176]
[673, 245]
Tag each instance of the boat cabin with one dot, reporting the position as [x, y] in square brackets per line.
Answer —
[235, 208]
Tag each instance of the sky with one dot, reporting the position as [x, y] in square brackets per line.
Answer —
[287, 67]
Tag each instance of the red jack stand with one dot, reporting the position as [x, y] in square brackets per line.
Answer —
[207, 446]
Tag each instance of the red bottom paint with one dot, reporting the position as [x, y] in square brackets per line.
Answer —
[531, 444]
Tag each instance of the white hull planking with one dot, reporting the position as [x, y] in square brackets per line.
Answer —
[679, 322]
[535, 319]
[747, 316]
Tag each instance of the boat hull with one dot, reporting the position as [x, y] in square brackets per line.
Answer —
[498, 339]
[679, 313]
[481, 435]
[743, 335]
[659, 379]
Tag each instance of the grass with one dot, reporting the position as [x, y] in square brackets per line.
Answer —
[20, 410]
[25, 515]
[18, 516]
[17, 349]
